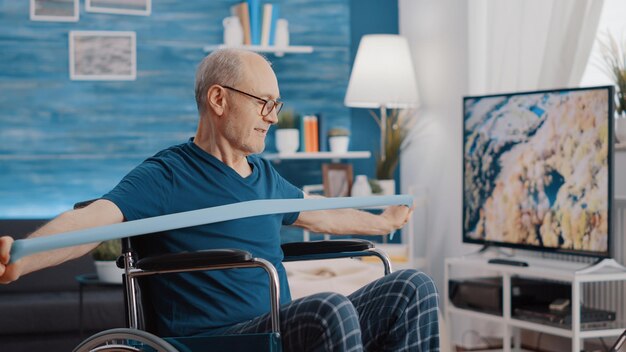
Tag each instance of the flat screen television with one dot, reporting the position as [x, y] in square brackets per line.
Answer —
[538, 170]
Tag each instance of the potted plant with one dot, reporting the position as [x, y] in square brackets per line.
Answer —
[105, 256]
[375, 186]
[287, 134]
[399, 124]
[338, 139]
[614, 58]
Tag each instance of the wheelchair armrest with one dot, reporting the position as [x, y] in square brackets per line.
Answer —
[325, 247]
[191, 260]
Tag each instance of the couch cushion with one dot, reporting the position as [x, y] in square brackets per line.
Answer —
[45, 312]
[54, 279]
[33, 342]
[58, 278]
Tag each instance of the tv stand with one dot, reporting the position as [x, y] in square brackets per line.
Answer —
[603, 264]
[577, 274]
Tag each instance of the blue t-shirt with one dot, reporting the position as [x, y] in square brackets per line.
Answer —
[183, 178]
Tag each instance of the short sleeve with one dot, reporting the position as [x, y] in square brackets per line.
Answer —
[144, 192]
[286, 190]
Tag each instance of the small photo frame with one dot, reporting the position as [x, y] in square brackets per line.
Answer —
[337, 179]
[120, 7]
[54, 10]
[103, 55]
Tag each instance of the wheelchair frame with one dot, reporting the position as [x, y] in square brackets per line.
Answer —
[136, 339]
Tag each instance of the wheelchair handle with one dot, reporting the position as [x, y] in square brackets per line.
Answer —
[25, 247]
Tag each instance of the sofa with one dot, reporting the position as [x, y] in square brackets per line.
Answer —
[40, 311]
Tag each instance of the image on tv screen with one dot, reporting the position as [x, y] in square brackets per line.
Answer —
[537, 170]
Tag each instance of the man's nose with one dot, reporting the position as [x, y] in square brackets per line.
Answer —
[272, 117]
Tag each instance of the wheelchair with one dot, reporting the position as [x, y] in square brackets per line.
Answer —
[140, 333]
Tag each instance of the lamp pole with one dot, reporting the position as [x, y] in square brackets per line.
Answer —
[382, 76]
[383, 130]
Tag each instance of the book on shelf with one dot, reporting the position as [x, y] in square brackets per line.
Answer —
[255, 21]
[302, 146]
[258, 22]
[266, 24]
[275, 14]
[310, 133]
[306, 132]
[315, 134]
[242, 11]
[321, 134]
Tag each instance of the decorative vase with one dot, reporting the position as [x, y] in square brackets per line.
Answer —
[388, 187]
[287, 140]
[339, 144]
[108, 271]
[233, 32]
[281, 38]
[361, 187]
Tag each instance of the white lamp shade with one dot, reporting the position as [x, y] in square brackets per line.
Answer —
[382, 74]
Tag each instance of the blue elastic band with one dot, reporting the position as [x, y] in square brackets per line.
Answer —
[22, 248]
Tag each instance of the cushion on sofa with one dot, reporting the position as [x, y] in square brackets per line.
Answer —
[54, 279]
[49, 312]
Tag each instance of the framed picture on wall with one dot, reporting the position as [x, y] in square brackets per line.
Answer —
[337, 179]
[103, 55]
[120, 7]
[54, 10]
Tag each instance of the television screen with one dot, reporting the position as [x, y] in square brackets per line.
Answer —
[537, 170]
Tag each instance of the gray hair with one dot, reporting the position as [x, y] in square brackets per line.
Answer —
[220, 67]
[223, 67]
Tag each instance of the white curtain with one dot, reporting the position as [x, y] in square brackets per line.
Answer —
[517, 45]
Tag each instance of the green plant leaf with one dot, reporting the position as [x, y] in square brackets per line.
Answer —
[287, 119]
[398, 125]
[338, 131]
[614, 65]
[107, 250]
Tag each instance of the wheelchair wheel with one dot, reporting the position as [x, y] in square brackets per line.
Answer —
[124, 340]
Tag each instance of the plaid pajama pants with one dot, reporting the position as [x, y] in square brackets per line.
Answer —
[395, 313]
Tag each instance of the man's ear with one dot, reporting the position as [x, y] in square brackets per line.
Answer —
[216, 99]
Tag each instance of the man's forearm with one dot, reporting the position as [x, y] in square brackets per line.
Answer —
[97, 214]
[345, 222]
[63, 223]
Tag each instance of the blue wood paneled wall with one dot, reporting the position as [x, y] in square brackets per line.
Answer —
[63, 141]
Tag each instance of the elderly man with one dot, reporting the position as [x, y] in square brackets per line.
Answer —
[238, 100]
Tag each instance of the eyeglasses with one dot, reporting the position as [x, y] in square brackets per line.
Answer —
[268, 104]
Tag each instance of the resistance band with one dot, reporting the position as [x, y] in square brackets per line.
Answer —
[25, 247]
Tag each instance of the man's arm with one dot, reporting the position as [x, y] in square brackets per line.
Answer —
[353, 222]
[99, 213]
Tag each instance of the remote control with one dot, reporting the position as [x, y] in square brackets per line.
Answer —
[507, 262]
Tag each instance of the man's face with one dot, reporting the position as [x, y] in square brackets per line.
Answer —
[244, 127]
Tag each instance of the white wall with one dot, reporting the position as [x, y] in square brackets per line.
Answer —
[436, 31]
[619, 182]
[437, 34]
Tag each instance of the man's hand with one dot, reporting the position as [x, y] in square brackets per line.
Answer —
[8, 272]
[397, 215]
[354, 222]
[99, 213]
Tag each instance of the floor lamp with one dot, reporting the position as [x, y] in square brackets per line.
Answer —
[382, 77]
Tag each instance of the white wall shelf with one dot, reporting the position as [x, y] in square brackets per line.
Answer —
[317, 156]
[575, 273]
[278, 51]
